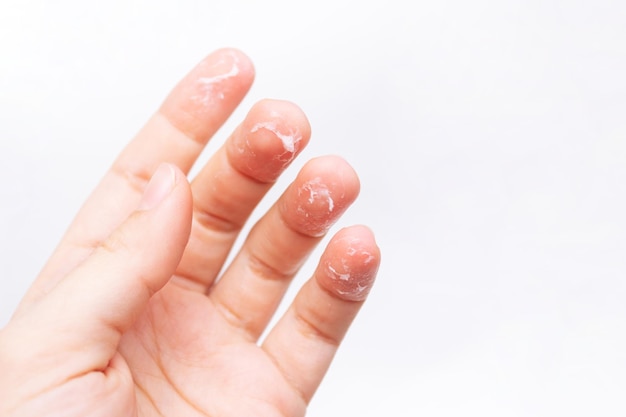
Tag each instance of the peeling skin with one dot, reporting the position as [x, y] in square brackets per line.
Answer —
[347, 283]
[316, 188]
[266, 142]
[356, 294]
[316, 208]
[336, 275]
[207, 85]
[289, 140]
[349, 275]
[317, 196]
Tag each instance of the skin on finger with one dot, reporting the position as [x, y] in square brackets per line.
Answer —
[81, 321]
[205, 98]
[251, 289]
[177, 133]
[233, 182]
[304, 341]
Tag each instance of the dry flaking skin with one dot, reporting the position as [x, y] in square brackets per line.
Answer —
[209, 87]
[316, 206]
[274, 132]
[350, 276]
[290, 140]
[323, 190]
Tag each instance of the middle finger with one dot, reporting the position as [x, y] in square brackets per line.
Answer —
[234, 180]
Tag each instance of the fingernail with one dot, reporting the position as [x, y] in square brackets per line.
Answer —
[159, 187]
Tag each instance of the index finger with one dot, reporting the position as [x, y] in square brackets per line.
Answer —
[176, 133]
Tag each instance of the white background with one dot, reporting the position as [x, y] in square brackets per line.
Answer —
[490, 137]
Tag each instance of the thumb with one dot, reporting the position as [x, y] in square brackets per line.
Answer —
[90, 309]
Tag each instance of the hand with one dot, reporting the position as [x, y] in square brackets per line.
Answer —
[129, 318]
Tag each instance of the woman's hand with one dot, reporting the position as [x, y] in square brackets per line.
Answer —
[135, 313]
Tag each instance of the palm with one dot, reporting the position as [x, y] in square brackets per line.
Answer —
[183, 353]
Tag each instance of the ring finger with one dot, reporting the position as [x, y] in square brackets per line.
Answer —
[251, 288]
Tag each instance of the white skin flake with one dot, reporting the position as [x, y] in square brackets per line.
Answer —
[352, 291]
[289, 140]
[207, 85]
[337, 275]
[317, 189]
[351, 284]
[353, 249]
[356, 292]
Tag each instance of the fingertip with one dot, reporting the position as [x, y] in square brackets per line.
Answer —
[247, 66]
[273, 133]
[323, 190]
[338, 169]
[226, 63]
[281, 112]
[209, 93]
[350, 263]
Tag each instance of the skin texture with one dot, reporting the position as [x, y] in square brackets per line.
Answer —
[135, 313]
